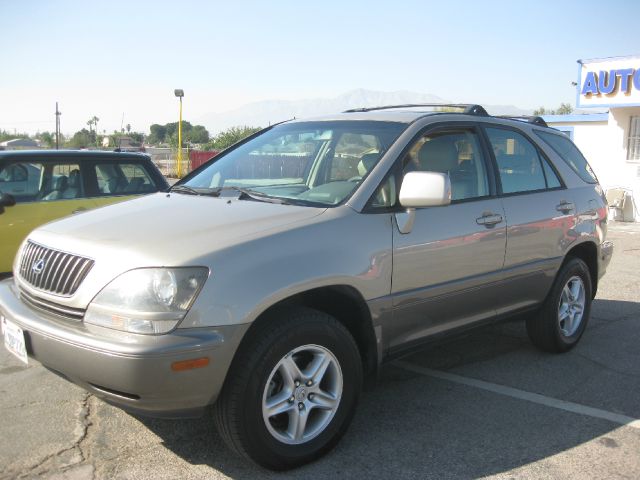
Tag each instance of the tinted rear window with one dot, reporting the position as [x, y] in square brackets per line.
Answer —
[570, 154]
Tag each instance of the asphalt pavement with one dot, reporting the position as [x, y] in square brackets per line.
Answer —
[486, 405]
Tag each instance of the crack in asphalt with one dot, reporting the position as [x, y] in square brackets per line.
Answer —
[84, 422]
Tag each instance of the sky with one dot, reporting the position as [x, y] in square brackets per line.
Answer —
[121, 60]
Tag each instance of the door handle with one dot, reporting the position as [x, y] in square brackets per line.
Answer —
[79, 210]
[489, 219]
[565, 207]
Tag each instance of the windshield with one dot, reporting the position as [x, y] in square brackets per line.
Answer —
[309, 163]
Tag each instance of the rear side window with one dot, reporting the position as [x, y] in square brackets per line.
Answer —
[521, 167]
[123, 179]
[570, 154]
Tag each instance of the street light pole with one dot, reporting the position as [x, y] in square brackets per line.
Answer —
[58, 113]
[179, 93]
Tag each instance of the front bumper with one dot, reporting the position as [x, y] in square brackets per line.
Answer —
[128, 370]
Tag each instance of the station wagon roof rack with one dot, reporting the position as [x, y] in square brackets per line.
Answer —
[536, 120]
[467, 108]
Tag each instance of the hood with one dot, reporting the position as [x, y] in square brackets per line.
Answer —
[168, 229]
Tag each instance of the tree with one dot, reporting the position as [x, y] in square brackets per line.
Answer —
[158, 134]
[198, 134]
[168, 133]
[563, 109]
[230, 136]
[82, 139]
[47, 139]
[128, 128]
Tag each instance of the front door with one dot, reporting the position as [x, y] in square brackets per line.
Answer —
[53, 190]
[448, 263]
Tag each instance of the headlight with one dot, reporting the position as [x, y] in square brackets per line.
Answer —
[147, 300]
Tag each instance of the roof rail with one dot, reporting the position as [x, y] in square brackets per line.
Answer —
[467, 108]
[536, 120]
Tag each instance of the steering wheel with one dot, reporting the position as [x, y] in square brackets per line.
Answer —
[355, 179]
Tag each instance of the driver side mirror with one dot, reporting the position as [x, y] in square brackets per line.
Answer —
[425, 189]
[6, 200]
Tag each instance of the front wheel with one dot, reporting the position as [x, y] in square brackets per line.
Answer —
[292, 389]
[563, 317]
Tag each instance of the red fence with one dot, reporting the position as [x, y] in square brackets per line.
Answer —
[197, 157]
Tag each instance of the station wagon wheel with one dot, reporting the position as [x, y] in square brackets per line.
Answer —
[292, 389]
[561, 321]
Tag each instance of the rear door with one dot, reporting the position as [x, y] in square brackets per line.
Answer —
[540, 215]
[445, 269]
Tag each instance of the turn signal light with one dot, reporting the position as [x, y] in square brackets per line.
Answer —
[190, 364]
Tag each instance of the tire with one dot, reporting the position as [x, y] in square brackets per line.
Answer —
[564, 315]
[262, 375]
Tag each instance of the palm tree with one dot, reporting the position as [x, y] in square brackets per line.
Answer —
[95, 120]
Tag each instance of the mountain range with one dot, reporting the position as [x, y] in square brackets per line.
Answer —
[266, 112]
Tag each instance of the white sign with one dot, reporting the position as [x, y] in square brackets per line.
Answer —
[609, 82]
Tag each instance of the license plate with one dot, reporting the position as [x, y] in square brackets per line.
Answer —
[14, 339]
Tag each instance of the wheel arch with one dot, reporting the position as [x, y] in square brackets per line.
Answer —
[588, 253]
[345, 304]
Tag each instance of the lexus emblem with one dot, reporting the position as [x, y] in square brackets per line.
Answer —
[38, 266]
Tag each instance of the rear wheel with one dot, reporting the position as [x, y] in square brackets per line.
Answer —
[564, 315]
[292, 389]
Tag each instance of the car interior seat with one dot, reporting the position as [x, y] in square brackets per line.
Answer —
[367, 162]
[73, 185]
[440, 154]
[134, 186]
[59, 187]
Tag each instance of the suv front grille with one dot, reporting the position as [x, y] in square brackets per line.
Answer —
[53, 271]
[46, 306]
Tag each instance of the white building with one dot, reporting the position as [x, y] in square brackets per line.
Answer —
[610, 140]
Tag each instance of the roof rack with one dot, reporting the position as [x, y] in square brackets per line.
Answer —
[536, 120]
[467, 108]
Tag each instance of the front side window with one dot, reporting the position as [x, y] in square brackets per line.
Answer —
[456, 152]
[520, 165]
[308, 163]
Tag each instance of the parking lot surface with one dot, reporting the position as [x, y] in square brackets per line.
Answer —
[484, 405]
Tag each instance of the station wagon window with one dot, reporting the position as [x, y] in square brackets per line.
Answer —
[21, 180]
[521, 167]
[41, 182]
[456, 152]
[123, 179]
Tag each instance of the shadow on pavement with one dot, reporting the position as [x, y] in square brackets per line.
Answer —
[413, 425]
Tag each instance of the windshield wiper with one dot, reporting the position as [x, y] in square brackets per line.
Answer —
[184, 189]
[247, 193]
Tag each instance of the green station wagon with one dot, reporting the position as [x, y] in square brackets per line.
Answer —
[37, 187]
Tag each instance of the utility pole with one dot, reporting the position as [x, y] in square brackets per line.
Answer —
[58, 113]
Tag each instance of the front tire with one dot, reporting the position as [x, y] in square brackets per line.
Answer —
[292, 389]
[565, 312]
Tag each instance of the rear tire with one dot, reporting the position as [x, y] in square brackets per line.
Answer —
[292, 389]
[564, 315]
